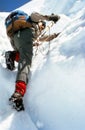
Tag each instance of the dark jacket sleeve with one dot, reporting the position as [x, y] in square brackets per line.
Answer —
[37, 16]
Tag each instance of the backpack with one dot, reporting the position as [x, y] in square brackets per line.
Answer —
[17, 20]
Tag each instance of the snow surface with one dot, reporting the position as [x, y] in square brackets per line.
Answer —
[55, 97]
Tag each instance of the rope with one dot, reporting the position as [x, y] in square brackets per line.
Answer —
[49, 44]
[39, 49]
[47, 29]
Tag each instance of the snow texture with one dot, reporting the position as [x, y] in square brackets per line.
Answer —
[55, 97]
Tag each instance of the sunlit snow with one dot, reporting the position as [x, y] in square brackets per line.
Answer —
[55, 97]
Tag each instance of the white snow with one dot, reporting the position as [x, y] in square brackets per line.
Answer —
[55, 97]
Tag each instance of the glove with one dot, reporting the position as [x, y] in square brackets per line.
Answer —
[54, 18]
[36, 44]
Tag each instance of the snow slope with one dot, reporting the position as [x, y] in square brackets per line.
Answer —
[55, 98]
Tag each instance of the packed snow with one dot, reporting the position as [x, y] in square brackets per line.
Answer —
[55, 97]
